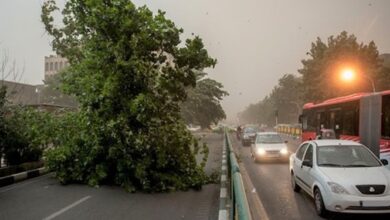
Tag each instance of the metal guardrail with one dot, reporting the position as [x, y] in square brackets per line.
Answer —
[240, 209]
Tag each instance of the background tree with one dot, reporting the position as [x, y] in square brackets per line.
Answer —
[51, 92]
[320, 79]
[321, 72]
[203, 106]
[384, 73]
[129, 75]
[285, 98]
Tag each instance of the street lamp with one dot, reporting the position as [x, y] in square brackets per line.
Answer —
[349, 75]
[38, 94]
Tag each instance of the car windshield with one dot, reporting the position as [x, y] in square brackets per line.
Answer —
[250, 130]
[269, 138]
[346, 156]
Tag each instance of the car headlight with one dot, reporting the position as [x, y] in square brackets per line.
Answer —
[337, 188]
[284, 151]
[260, 151]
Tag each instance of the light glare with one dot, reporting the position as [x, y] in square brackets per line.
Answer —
[347, 75]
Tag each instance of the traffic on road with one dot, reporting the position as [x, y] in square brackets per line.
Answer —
[323, 177]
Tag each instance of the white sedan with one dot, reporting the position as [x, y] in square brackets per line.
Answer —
[341, 176]
[269, 146]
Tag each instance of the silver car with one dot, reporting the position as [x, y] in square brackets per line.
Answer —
[269, 146]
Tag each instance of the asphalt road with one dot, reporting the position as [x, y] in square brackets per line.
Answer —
[45, 198]
[272, 183]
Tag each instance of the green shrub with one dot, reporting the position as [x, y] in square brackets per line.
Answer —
[25, 133]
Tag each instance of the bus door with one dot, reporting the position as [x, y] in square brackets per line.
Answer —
[335, 120]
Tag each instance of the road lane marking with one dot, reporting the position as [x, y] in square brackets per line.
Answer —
[52, 216]
[223, 178]
[223, 167]
[19, 185]
[222, 215]
[223, 193]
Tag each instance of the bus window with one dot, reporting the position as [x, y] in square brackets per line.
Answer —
[321, 121]
[386, 117]
[332, 120]
[309, 120]
[350, 125]
[303, 120]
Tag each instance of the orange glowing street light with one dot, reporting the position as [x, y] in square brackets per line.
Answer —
[349, 75]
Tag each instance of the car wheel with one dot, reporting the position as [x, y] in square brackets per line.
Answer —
[294, 184]
[319, 204]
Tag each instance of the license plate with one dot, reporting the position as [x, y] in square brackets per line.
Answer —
[375, 203]
[272, 155]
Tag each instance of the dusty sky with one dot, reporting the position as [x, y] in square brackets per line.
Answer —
[255, 41]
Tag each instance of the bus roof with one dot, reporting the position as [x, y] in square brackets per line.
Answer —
[343, 99]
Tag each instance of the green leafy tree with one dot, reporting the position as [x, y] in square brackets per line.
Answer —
[203, 106]
[129, 73]
[321, 71]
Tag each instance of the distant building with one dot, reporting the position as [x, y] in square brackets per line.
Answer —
[37, 96]
[53, 64]
[21, 94]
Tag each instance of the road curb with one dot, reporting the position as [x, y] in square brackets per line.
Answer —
[223, 200]
[14, 178]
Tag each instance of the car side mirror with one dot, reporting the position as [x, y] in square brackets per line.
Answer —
[285, 142]
[385, 162]
[307, 163]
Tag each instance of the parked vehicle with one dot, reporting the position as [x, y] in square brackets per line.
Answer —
[342, 176]
[269, 145]
[248, 135]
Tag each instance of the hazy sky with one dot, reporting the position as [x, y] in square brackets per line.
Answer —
[255, 41]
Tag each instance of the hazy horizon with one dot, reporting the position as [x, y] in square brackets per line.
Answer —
[255, 42]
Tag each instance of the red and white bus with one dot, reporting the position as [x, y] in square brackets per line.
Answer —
[361, 117]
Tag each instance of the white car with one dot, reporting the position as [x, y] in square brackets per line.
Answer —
[269, 145]
[341, 176]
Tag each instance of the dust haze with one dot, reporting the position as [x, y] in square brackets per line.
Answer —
[255, 42]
